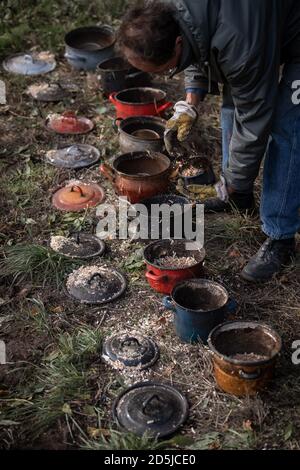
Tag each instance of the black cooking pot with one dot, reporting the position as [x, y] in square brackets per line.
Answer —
[116, 74]
[87, 47]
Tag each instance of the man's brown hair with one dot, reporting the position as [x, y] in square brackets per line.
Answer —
[150, 31]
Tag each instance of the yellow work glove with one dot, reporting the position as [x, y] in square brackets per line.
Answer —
[180, 125]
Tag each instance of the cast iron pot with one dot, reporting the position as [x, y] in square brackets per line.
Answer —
[156, 224]
[141, 133]
[163, 279]
[138, 175]
[140, 102]
[116, 74]
[232, 345]
[199, 305]
[88, 46]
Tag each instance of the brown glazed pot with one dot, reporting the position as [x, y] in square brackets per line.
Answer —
[244, 376]
[138, 175]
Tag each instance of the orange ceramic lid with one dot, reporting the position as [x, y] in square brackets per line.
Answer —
[78, 196]
[69, 123]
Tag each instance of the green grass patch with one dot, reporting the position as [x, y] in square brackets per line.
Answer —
[35, 263]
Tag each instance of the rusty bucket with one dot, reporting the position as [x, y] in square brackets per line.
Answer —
[244, 355]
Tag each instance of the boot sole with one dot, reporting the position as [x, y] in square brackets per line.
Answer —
[249, 278]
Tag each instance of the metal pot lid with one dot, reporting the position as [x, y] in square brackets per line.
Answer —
[32, 63]
[78, 196]
[157, 409]
[74, 156]
[96, 284]
[131, 350]
[69, 123]
[78, 245]
[48, 92]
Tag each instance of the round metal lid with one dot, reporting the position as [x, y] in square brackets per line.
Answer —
[157, 409]
[68, 123]
[96, 284]
[48, 92]
[74, 156]
[79, 245]
[131, 350]
[78, 196]
[32, 63]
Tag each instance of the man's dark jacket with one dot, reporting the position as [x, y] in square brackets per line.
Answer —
[242, 43]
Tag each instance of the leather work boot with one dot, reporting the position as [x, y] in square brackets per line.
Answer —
[242, 202]
[270, 259]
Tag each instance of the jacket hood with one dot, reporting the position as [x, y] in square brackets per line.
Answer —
[198, 28]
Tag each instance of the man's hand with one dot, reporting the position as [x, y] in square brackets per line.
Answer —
[180, 125]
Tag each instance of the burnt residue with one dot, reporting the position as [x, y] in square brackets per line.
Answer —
[246, 341]
[200, 295]
[165, 248]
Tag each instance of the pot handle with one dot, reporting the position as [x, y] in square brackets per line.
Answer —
[108, 172]
[112, 98]
[71, 57]
[116, 125]
[168, 303]
[156, 277]
[231, 306]
[163, 107]
[250, 375]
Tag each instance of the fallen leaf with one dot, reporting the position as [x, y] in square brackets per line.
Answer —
[97, 432]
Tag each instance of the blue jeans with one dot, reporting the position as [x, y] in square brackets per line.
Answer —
[280, 202]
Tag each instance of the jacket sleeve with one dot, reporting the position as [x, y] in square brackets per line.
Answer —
[195, 77]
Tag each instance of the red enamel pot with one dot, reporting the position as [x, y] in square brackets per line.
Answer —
[140, 102]
[164, 279]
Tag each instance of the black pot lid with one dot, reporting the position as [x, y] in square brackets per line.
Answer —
[48, 92]
[74, 156]
[96, 284]
[79, 245]
[132, 350]
[30, 64]
[155, 408]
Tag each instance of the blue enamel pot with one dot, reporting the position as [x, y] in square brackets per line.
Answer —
[199, 305]
[88, 46]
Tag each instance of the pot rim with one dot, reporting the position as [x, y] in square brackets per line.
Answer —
[239, 362]
[136, 177]
[162, 268]
[127, 68]
[199, 281]
[83, 29]
[162, 92]
[142, 119]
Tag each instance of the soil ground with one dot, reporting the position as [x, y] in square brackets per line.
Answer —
[55, 392]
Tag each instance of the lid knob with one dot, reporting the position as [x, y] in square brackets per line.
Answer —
[77, 189]
[156, 408]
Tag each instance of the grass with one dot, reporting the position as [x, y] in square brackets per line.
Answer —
[25, 26]
[62, 378]
[35, 263]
